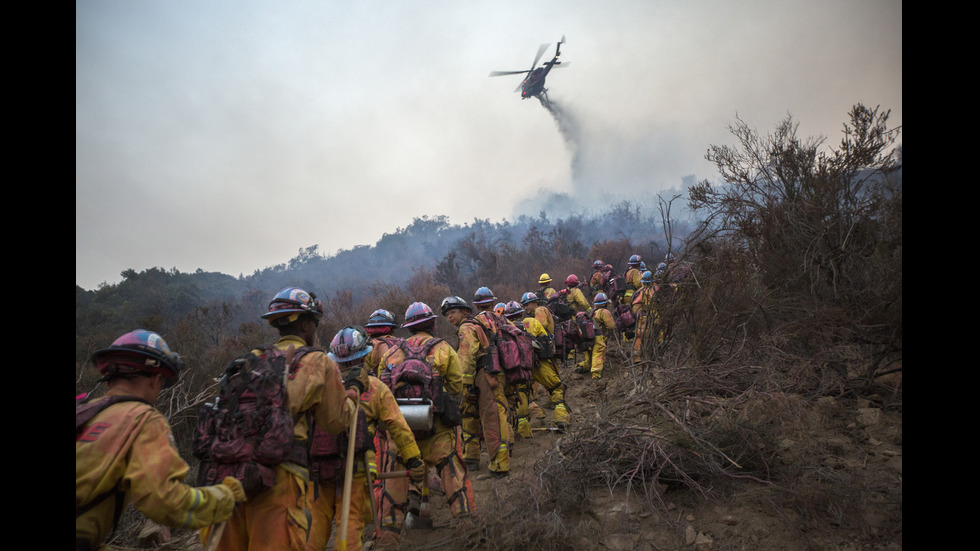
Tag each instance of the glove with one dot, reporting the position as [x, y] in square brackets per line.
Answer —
[236, 488]
[353, 380]
[416, 469]
[353, 394]
[563, 292]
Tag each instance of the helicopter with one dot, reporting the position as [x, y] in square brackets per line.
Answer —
[533, 84]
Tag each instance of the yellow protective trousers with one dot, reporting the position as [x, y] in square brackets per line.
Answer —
[519, 399]
[487, 417]
[326, 505]
[274, 520]
[441, 451]
[546, 374]
[598, 355]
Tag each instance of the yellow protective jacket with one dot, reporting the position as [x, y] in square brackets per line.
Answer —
[577, 300]
[472, 348]
[634, 277]
[546, 292]
[604, 322]
[545, 318]
[316, 386]
[129, 447]
[379, 404]
[379, 346]
[642, 302]
[534, 327]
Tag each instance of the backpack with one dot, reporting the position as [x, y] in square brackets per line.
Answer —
[248, 430]
[413, 379]
[625, 320]
[559, 308]
[515, 353]
[567, 337]
[328, 451]
[587, 329]
[617, 287]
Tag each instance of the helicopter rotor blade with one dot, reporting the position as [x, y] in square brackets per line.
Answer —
[537, 58]
[502, 73]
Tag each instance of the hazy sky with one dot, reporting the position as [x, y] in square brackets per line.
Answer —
[228, 135]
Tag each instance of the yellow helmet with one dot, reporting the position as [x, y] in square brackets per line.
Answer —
[545, 278]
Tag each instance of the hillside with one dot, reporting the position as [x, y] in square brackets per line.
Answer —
[836, 485]
[847, 457]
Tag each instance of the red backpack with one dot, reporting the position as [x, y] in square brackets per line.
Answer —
[248, 430]
[515, 352]
[414, 379]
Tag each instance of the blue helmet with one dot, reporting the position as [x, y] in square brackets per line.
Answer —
[528, 298]
[600, 299]
[349, 344]
[289, 303]
[381, 318]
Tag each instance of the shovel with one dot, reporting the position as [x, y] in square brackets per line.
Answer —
[215, 536]
[348, 478]
[424, 519]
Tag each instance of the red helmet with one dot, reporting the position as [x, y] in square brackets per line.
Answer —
[139, 351]
[571, 281]
[418, 313]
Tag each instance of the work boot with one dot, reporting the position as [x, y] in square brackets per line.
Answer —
[596, 375]
[472, 465]
[414, 503]
[560, 426]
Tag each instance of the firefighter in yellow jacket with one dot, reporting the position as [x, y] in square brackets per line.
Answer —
[277, 518]
[605, 328]
[377, 405]
[537, 320]
[381, 329]
[573, 294]
[518, 393]
[441, 447]
[544, 287]
[125, 451]
[485, 409]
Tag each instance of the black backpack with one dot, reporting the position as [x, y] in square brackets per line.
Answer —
[248, 430]
[559, 308]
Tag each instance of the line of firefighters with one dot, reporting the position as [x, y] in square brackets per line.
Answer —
[387, 482]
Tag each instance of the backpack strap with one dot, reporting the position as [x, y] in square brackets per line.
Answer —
[85, 410]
